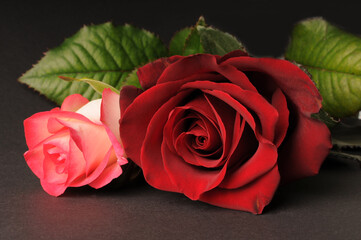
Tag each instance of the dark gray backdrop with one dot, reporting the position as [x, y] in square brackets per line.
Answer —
[327, 206]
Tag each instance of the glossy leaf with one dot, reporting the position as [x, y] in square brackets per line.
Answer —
[132, 79]
[176, 45]
[103, 52]
[203, 39]
[333, 58]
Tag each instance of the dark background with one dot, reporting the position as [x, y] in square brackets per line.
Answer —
[327, 206]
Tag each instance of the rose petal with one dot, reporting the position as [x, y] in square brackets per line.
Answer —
[252, 197]
[133, 127]
[91, 111]
[304, 151]
[260, 163]
[73, 102]
[235, 105]
[36, 126]
[186, 67]
[201, 107]
[226, 118]
[237, 77]
[54, 126]
[216, 157]
[151, 159]
[179, 122]
[206, 76]
[127, 96]
[110, 116]
[190, 180]
[279, 101]
[51, 162]
[233, 54]
[267, 114]
[243, 143]
[193, 158]
[149, 73]
[294, 83]
[206, 130]
[111, 171]
[34, 157]
[76, 166]
[91, 139]
[53, 188]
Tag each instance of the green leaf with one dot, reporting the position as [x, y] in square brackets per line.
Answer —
[132, 79]
[176, 45]
[103, 52]
[193, 44]
[97, 85]
[203, 39]
[217, 42]
[333, 58]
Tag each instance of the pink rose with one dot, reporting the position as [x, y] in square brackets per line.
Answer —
[76, 145]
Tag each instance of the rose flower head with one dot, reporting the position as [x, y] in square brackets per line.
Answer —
[223, 130]
[76, 145]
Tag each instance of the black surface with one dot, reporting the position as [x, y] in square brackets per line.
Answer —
[327, 206]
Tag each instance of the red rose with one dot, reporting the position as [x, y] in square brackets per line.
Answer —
[223, 130]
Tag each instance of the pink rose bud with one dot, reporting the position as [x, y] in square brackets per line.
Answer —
[76, 145]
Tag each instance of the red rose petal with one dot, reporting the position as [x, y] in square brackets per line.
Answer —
[135, 119]
[305, 150]
[149, 73]
[193, 158]
[259, 164]
[237, 77]
[200, 106]
[233, 54]
[245, 147]
[237, 106]
[177, 122]
[206, 130]
[186, 67]
[213, 77]
[176, 126]
[127, 96]
[252, 197]
[279, 101]
[190, 180]
[294, 83]
[151, 159]
[234, 127]
[226, 91]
